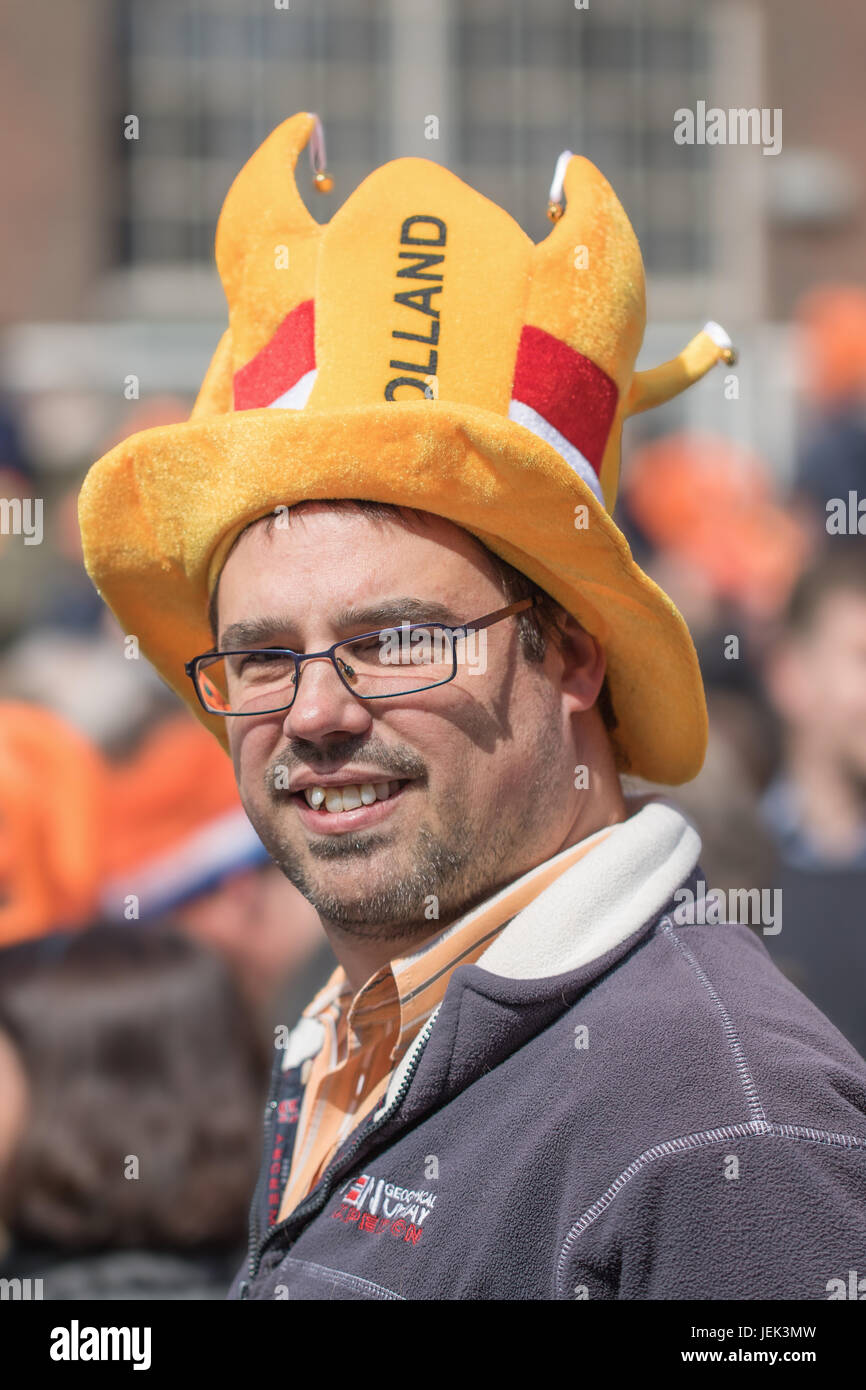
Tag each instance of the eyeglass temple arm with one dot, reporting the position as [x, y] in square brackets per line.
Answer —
[518, 607]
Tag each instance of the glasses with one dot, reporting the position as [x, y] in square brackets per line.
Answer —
[380, 665]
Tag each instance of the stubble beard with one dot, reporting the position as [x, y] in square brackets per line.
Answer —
[445, 877]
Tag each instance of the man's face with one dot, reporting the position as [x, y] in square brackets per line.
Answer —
[486, 761]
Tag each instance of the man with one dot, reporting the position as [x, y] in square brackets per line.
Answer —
[529, 1077]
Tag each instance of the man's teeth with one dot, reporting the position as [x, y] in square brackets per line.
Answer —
[347, 798]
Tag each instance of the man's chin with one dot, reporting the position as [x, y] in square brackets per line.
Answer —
[394, 886]
[349, 879]
[372, 911]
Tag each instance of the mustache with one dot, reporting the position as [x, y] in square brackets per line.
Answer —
[393, 762]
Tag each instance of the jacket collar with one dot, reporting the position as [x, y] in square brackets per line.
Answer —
[581, 917]
[570, 935]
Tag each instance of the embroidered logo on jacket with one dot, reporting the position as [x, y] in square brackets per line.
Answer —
[371, 1204]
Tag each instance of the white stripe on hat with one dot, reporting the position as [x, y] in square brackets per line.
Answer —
[297, 396]
[531, 420]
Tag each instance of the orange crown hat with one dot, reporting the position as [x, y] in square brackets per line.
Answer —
[53, 808]
[418, 349]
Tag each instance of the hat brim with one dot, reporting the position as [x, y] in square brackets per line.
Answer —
[160, 511]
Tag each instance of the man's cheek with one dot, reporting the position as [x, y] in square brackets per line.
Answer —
[252, 752]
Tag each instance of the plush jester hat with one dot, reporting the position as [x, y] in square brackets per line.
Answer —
[418, 349]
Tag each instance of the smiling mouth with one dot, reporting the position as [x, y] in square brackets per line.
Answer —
[335, 801]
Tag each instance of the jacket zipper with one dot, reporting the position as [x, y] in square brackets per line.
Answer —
[317, 1199]
[270, 1111]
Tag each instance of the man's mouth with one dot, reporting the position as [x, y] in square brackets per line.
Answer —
[336, 800]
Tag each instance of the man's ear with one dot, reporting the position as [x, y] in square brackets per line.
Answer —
[583, 662]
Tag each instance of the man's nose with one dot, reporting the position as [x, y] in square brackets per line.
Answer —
[323, 703]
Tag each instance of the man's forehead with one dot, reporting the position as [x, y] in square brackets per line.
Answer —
[272, 540]
[454, 556]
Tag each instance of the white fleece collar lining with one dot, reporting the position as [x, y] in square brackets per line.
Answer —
[599, 901]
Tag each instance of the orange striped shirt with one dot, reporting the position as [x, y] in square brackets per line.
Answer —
[367, 1036]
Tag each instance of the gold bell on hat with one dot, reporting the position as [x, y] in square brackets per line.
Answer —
[322, 180]
[555, 207]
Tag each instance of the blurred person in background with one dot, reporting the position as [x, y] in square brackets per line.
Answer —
[832, 457]
[78, 836]
[816, 680]
[83, 678]
[269, 934]
[158, 834]
[180, 844]
[703, 512]
[709, 524]
[16, 471]
[737, 850]
[13, 1117]
[815, 807]
[133, 1156]
[53, 822]
[71, 655]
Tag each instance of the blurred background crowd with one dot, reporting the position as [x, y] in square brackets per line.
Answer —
[148, 947]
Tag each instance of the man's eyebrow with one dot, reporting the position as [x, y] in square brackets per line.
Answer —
[387, 613]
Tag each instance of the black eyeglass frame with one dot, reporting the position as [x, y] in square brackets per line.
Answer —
[193, 668]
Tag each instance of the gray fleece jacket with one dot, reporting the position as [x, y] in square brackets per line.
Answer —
[612, 1103]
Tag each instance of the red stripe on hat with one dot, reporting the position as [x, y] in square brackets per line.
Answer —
[288, 356]
[569, 391]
